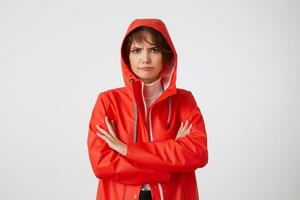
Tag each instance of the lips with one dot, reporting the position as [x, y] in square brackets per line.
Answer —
[146, 68]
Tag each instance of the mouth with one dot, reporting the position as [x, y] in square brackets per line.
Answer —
[146, 68]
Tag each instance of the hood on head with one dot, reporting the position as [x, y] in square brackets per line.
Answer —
[168, 75]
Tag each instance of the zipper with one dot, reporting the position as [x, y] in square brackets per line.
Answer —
[149, 127]
[149, 122]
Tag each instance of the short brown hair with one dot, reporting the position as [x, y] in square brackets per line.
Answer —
[158, 39]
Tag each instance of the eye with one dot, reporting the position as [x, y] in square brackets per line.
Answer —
[136, 50]
[155, 50]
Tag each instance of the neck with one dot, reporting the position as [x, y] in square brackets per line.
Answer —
[152, 91]
[153, 88]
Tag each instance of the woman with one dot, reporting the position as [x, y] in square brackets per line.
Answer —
[147, 139]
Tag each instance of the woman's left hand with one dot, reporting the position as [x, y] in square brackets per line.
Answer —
[110, 137]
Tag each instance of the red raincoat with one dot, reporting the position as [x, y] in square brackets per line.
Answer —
[153, 156]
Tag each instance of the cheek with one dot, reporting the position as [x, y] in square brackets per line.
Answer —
[132, 61]
[159, 61]
[133, 64]
[159, 70]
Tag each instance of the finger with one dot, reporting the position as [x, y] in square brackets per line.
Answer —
[101, 136]
[180, 128]
[178, 136]
[98, 127]
[101, 129]
[185, 125]
[106, 134]
[113, 124]
[109, 127]
[106, 139]
[114, 129]
[190, 127]
[187, 131]
[179, 132]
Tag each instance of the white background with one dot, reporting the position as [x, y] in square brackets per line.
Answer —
[239, 58]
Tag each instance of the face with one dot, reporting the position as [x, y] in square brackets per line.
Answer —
[146, 60]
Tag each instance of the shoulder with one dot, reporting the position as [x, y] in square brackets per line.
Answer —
[183, 93]
[185, 97]
[111, 92]
[113, 96]
[187, 102]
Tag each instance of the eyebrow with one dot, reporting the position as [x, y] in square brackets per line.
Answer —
[134, 47]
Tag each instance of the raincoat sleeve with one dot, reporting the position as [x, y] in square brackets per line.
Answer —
[108, 164]
[184, 154]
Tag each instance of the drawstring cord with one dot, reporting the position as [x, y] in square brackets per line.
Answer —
[135, 116]
[169, 111]
[135, 121]
[169, 107]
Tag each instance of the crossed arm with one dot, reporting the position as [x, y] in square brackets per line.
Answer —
[150, 162]
[114, 143]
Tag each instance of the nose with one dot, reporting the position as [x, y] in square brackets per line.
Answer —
[145, 57]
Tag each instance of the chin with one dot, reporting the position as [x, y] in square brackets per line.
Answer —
[145, 76]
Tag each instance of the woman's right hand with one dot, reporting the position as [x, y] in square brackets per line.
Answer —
[184, 129]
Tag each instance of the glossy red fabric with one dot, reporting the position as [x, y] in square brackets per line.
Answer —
[167, 165]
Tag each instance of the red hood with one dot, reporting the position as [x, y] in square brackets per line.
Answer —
[169, 72]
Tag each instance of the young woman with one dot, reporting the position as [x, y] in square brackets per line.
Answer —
[146, 139]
